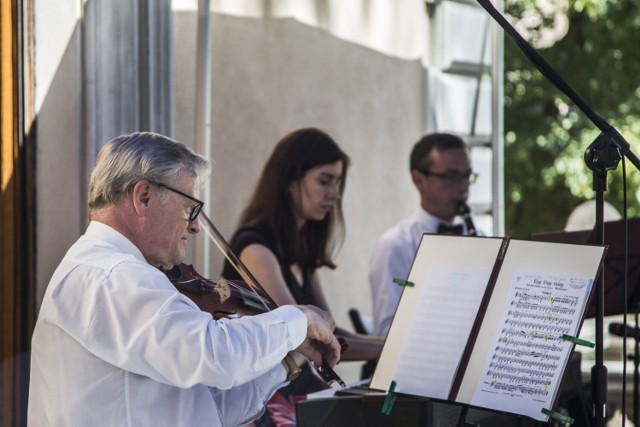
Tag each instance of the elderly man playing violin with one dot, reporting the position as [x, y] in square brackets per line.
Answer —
[116, 344]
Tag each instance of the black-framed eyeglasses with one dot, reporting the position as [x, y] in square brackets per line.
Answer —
[195, 211]
[453, 177]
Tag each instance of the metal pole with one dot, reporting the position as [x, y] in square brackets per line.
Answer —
[203, 120]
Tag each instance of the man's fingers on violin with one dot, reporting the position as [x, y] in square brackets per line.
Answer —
[317, 316]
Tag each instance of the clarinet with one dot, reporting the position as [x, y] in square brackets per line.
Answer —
[465, 213]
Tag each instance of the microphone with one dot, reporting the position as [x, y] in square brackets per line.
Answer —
[465, 213]
[620, 328]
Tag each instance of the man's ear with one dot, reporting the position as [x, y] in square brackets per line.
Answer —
[141, 196]
[418, 178]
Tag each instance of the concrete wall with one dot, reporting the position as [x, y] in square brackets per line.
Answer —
[100, 69]
[270, 76]
[58, 123]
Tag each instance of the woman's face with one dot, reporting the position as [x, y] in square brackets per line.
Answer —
[315, 194]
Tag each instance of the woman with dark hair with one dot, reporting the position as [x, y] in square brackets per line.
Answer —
[288, 230]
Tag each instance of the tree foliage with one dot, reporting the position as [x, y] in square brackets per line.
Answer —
[545, 134]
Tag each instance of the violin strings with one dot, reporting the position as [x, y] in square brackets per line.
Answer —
[328, 374]
[222, 244]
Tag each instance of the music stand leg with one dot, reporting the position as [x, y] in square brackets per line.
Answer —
[462, 419]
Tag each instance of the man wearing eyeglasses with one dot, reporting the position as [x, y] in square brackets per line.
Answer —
[116, 344]
[441, 171]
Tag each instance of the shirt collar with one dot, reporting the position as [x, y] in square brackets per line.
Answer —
[429, 221]
[432, 222]
[107, 234]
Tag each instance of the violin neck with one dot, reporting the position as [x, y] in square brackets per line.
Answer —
[233, 259]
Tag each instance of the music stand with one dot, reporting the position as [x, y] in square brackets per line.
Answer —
[613, 263]
[613, 270]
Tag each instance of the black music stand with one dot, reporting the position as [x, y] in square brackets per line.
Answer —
[601, 156]
[613, 276]
[613, 263]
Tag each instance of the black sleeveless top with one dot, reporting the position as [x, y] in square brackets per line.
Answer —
[262, 234]
[280, 409]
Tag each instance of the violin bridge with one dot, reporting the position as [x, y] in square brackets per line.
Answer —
[222, 289]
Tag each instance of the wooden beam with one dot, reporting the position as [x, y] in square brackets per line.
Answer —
[16, 281]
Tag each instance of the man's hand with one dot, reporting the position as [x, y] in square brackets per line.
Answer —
[320, 344]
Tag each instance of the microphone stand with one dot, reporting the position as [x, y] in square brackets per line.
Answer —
[636, 372]
[601, 156]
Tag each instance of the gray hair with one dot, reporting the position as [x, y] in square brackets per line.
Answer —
[128, 159]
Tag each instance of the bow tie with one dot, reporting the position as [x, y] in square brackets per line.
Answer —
[450, 229]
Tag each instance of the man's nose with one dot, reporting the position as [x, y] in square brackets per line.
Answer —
[194, 226]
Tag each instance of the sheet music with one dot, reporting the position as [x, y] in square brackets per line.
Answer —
[456, 269]
[516, 358]
[527, 354]
[436, 338]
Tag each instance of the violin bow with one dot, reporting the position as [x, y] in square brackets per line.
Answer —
[325, 371]
[239, 266]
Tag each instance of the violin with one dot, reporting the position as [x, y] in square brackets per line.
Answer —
[232, 298]
[222, 299]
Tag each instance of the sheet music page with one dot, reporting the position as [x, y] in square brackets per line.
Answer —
[519, 355]
[437, 336]
[527, 352]
[434, 318]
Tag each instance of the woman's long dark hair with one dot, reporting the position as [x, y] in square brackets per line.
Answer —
[271, 203]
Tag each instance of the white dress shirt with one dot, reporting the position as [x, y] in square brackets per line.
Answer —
[116, 344]
[392, 257]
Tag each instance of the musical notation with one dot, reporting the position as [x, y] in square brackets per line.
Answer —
[544, 346]
[529, 347]
[498, 376]
[483, 324]
[520, 389]
[526, 296]
[537, 327]
[521, 364]
[543, 355]
[544, 308]
[544, 318]
[530, 335]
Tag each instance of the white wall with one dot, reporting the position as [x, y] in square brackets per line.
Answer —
[58, 123]
[339, 66]
[271, 76]
[97, 74]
